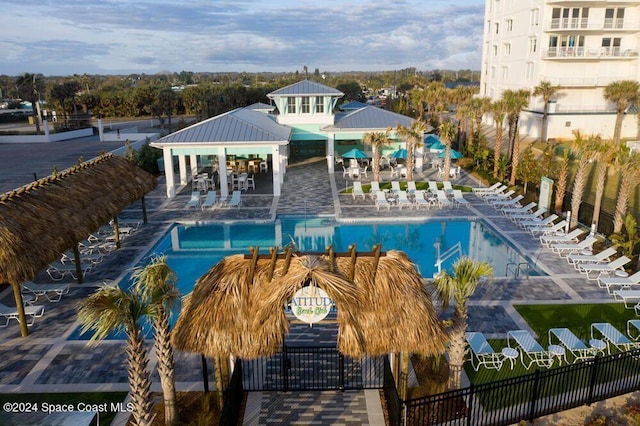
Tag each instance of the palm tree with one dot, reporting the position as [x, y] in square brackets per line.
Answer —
[156, 282]
[418, 101]
[447, 133]
[516, 101]
[561, 186]
[414, 137]
[477, 107]
[629, 163]
[515, 160]
[499, 112]
[112, 309]
[29, 87]
[467, 274]
[546, 90]
[585, 147]
[167, 100]
[623, 93]
[605, 156]
[377, 140]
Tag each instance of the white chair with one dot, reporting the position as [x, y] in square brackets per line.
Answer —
[547, 240]
[375, 188]
[345, 172]
[52, 292]
[251, 167]
[395, 186]
[612, 336]
[250, 182]
[492, 188]
[264, 167]
[209, 201]
[446, 185]
[443, 200]
[194, 201]
[433, 187]
[363, 171]
[411, 186]
[481, 353]
[381, 200]
[603, 268]
[530, 350]
[11, 312]
[403, 200]
[630, 297]
[578, 349]
[631, 282]
[58, 270]
[419, 199]
[459, 200]
[513, 202]
[603, 256]
[357, 190]
[528, 209]
[236, 199]
[394, 172]
[565, 250]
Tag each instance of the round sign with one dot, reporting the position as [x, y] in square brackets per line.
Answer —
[311, 304]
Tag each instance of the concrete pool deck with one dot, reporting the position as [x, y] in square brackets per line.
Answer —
[47, 362]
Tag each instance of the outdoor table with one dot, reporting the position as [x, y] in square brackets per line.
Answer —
[511, 354]
[621, 274]
[586, 252]
[598, 344]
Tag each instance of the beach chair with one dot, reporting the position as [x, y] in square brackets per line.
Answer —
[403, 200]
[52, 292]
[633, 329]
[550, 229]
[395, 186]
[210, 201]
[576, 347]
[490, 199]
[433, 186]
[481, 353]
[411, 186]
[603, 256]
[518, 211]
[622, 282]
[194, 201]
[446, 186]
[603, 268]
[443, 200]
[85, 257]
[612, 336]
[547, 240]
[530, 350]
[419, 199]
[30, 311]
[535, 222]
[524, 216]
[236, 199]
[499, 190]
[459, 200]
[566, 249]
[513, 202]
[357, 190]
[629, 296]
[381, 200]
[375, 188]
[485, 189]
[58, 270]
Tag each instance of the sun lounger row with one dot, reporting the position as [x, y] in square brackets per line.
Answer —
[212, 200]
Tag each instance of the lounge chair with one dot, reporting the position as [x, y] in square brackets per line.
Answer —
[459, 200]
[566, 249]
[433, 186]
[485, 189]
[395, 186]
[513, 202]
[419, 199]
[630, 282]
[375, 188]
[357, 190]
[236, 199]
[530, 350]
[578, 349]
[603, 268]
[481, 353]
[536, 222]
[499, 190]
[629, 296]
[612, 336]
[446, 186]
[633, 324]
[58, 270]
[194, 201]
[547, 240]
[603, 256]
[531, 216]
[517, 211]
[490, 199]
[30, 311]
[381, 200]
[411, 186]
[550, 229]
[52, 292]
[443, 200]
[210, 201]
[403, 200]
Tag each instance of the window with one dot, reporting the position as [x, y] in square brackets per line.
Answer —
[614, 17]
[497, 25]
[320, 104]
[505, 73]
[305, 106]
[529, 71]
[489, 27]
[507, 49]
[509, 25]
[611, 46]
[533, 44]
[533, 17]
[495, 50]
[291, 105]
[493, 72]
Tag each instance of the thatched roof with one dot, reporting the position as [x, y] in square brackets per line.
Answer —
[41, 220]
[237, 309]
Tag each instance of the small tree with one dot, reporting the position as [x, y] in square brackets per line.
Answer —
[629, 239]
[561, 185]
[546, 90]
[529, 170]
[629, 163]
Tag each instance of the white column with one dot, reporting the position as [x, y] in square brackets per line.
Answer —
[175, 239]
[168, 172]
[331, 152]
[419, 152]
[100, 130]
[193, 162]
[182, 165]
[277, 169]
[222, 171]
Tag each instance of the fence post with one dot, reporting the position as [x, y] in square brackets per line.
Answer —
[534, 396]
[594, 376]
[472, 391]
[341, 368]
[285, 369]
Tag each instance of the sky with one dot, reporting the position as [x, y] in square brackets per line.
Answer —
[66, 37]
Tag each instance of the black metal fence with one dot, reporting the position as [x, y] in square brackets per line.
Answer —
[233, 397]
[531, 396]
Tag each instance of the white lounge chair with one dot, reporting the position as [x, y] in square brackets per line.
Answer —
[381, 200]
[459, 200]
[411, 186]
[633, 324]
[530, 350]
[497, 197]
[566, 249]
[536, 222]
[236, 199]
[499, 190]
[603, 268]
[85, 257]
[194, 201]
[210, 201]
[517, 211]
[419, 199]
[52, 292]
[547, 240]
[530, 216]
[623, 282]
[11, 312]
[58, 270]
[603, 256]
[403, 200]
[443, 200]
[486, 189]
[612, 336]
[550, 229]
[512, 202]
[446, 186]
[375, 188]
[433, 186]
[357, 190]
[395, 186]
[578, 349]
[630, 297]
[481, 353]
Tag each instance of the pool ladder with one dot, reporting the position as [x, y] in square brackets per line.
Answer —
[516, 268]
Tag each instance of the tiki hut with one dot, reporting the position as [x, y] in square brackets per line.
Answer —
[41, 220]
[237, 307]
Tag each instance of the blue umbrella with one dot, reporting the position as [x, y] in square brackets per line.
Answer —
[401, 153]
[437, 145]
[454, 154]
[354, 153]
[431, 139]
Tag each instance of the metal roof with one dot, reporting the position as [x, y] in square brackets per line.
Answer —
[306, 87]
[352, 105]
[369, 118]
[239, 125]
[261, 106]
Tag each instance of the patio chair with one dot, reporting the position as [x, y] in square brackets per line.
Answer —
[530, 350]
[357, 190]
[210, 201]
[419, 199]
[403, 200]
[517, 211]
[631, 282]
[433, 186]
[499, 190]
[565, 250]
[394, 172]
[395, 186]
[633, 324]
[489, 199]
[550, 229]
[603, 268]
[485, 189]
[547, 240]
[459, 200]
[513, 202]
[612, 336]
[411, 186]
[443, 200]
[194, 201]
[345, 172]
[250, 182]
[30, 311]
[375, 188]
[603, 256]
[363, 171]
[381, 200]
[629, 296]
[58, 270]
[236, 199]
[264, 167]
[52, 292]
[446, 185]
[576, 347]
[481, 353]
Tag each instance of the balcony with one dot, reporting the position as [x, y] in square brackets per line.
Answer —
[586, 25]
[595, 81]
[596, 53]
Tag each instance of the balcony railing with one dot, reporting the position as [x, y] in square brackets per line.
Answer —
[584, 24]
[589, 52]
[598, 81]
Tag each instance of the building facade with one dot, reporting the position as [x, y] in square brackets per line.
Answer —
[580, 46]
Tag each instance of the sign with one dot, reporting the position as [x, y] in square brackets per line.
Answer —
[546, 189]
[311, 304]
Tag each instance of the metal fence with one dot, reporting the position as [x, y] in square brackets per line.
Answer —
[233, 397]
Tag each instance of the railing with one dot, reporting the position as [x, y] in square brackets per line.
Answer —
[585, 24]
[585, 81]
[590, 52]
[516, 268]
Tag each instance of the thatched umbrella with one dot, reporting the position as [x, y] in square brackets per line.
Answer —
[41, 220]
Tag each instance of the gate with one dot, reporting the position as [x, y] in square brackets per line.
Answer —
[312, 368]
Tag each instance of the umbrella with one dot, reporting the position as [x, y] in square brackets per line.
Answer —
[431, 139]
[437, 145]
[354, 153]
[454, 154]
[401, 153]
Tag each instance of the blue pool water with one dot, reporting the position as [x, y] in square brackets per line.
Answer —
[193, 250]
